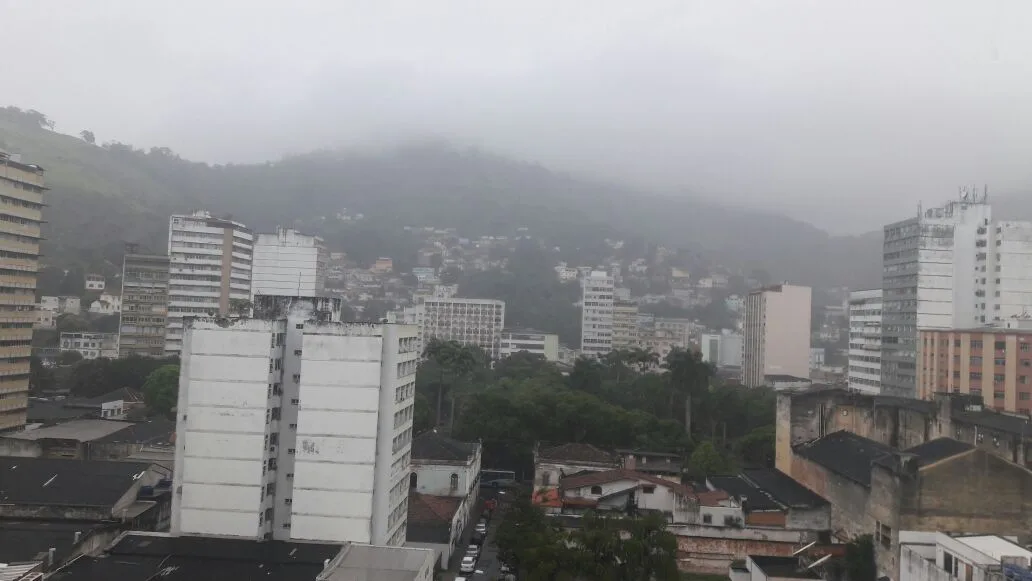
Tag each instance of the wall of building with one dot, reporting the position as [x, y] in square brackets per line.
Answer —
[848, 499]
[221, 432]
[702, 549]
[288, 263]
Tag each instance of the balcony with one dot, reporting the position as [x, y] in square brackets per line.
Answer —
[15, 281]
[17, 317]
[30, 230]
[11, 369]
[16, 351]
[34, 214]
[17, 299]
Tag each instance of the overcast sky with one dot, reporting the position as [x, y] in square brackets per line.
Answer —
[843, 113]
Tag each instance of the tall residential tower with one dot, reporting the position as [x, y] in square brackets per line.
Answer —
[141, 328]
[776, 340]
[21, 213]
[209, 272]
[597, 314]
[294, 426]
[289, 263]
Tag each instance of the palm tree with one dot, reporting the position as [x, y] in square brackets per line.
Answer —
[454, 363]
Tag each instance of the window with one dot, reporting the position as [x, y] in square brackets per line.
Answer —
[999, 377]
[884, 533]
[293, 426]
[949, 564]
[976, 360]
[288, 501]
[297, 352]
[454, 481]
[297, 378]
[707, 519]
[299, 326]
[291, 451]
[648, 489]
[1000, 345]
[999, 361]
[976, 344]
[1026, 347]
[1023, 379]
[413, 480]
[596, 490]
[546, 479]
[1025, 396]
[975, 375]
[998, 395]
[294, 401]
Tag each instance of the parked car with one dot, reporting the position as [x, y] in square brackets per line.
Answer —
[468, 564]
[473, 551]
[481, 528]
[478, 538]
[502, 568]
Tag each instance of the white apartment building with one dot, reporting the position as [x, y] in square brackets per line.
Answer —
[209, 270]
[926, 556]
[1005, 265]
[531, 341]
[294, 428]
[476, 322]
[597, 314]
[777, 333]
[91, 345]
[288, 263]
[865, 336]
[722, 350]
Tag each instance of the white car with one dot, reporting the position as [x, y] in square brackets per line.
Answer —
[473, 551]
[480, 528]
[468, 564]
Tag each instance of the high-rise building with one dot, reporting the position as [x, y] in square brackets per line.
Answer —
[477, 322]
[935, 276]
[625, 325]
[21, 213]
[994, 364]
[597, 314]
[1005, 267]
[294, 427]
[289, 263]
[142, 326]
[777, 334]
[722, 349]
[209, 271]
[865, 321]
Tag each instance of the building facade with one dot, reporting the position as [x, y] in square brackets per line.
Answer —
[993, 364]
[534, 342]
[142, 326]
[865, 318]
[777, 333]
[289, 263]
[722, 350]
[295, 428]
[1005, 263]
[91, 345]
[625, 325]
[209, 272]
[21, 213]
[476, 322]
[597, 314]
[931, 264]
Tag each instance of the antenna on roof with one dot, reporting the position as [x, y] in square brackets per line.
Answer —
[804, 548]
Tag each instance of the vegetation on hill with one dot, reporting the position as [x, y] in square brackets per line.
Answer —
[105, 195]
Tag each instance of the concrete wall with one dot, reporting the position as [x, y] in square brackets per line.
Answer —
[703, 549]
[809, 519]
[555, 470]
[221, 433]
[848, 499]
[19, 448]
[662, 498]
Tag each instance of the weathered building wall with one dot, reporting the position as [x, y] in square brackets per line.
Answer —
[20, 448]
[848, 499]
[698, 554]
[809, 519]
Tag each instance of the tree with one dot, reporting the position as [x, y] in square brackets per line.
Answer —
[450, 275]
[161, 390]
[859, 560]
[70, 323]
[689, 376]
[757, 447]
[88, 136]
[69, 357]
[454, 362]
[240, 307]
[706, 460]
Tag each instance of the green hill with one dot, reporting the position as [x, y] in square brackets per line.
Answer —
[103, 196]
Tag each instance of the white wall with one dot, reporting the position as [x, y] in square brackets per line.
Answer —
[662, 498]
[288, 263]
[221, 429]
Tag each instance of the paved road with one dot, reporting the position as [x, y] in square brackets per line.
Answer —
[488, 568]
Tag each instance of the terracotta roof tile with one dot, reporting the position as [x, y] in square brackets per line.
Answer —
[427, 508]
[577, 452]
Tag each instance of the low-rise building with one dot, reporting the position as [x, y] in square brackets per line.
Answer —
[95, 282]
[91, 439]
[91, 345]
[786, 382]
[942, 557]
[722, 349]
[107, 304]
[435, 523]
[45, 319]
[534, 342]
[615, 490]
[551, 463]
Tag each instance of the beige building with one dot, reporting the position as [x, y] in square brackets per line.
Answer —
[21, 212]
[777, 333]
[625, 325]
[993, 363]
[141, 328]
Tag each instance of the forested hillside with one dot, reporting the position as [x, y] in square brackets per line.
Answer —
[105, 195]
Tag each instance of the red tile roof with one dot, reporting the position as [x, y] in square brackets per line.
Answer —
[578, 453]
[595, 478]
[427, 508]
[712, 497]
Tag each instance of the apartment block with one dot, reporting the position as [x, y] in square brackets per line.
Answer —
[597, 314]
[295, 428]
[777, 333]
[992, 363]
[865, 336]
[209, 272]
[931, 267]
[477, 322]
[1004, 261]
[142, 326]
[289, 263]
[21, 213]
[534, 342]
[625, 325]
[91, 345]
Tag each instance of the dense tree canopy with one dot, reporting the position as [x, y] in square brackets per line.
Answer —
[161, 389]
